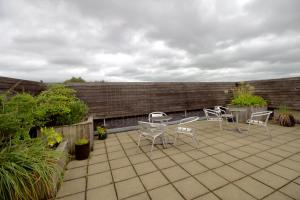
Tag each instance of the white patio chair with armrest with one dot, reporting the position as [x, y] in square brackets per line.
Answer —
[184, 128]
[151, 131]
[224, 111]
[155, 114]
[213, 116]
[260, 119]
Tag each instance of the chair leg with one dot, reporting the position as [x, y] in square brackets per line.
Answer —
[175, 138]
[152, 147]
[220, 124]
[268, 132]
[195, 140]
[139, 142]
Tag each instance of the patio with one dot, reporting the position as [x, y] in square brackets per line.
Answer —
[227, 165]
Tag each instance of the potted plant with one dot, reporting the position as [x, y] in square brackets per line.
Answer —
[102, 134]
[285, 118]
[82, 149]
[243, 97]
[53, 138]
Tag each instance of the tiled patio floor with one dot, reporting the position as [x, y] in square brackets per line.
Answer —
[227, 165]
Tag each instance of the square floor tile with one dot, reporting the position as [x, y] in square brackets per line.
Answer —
[138, 158]
[143, 196]
[244, 167]
[164, 162]
[224, 157]
[175, 173]
[229, 173]
[292, 190]
[294, 165]
[108, 192]
[116, 154]
[210, 162]
[166, 193]
[257, 161]
[98, 168]
[283, 171]
[181, 158]
[98, 158]
[254, 187]
[237, 153]
[153, 180]
[269, 156]
[209, 196]
[145, 167]
[156, 154]
[190, 188]
[170, 151]
[210, 150]
[72, 187]
[196, 154]
[77, 163]
[123, 173]
[211, 180]
[78, 196]
[194, 167]
[231, 192]
[270, 179]
[75, 173]
[277, 196]
[129, 187]
[118, 163]
[97, 180]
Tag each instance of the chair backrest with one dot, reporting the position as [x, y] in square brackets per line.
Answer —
[156, 114]
[262, 116]
[151, 128]
[222, 109]
[188, 120]
[211, 114]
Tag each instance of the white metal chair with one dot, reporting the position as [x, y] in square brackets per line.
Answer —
[260, 119]
[155, 114]
[224, 112]
[184, 128]
[151, 131]
[213, 116]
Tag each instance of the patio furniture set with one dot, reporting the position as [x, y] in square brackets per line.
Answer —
[156, 126]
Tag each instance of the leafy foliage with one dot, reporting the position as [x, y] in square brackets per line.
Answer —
[53, 138]
[27, 170]
[101, 130]
[81, 141]
[243, 96]
[285, 117]
[75, 80]
[59, 106]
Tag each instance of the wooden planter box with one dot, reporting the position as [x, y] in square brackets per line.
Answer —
[244, 116]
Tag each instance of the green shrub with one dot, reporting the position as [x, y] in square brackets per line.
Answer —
[53, 138]
[27, 170]
[58, 105]
[101, 130]
[81, 141]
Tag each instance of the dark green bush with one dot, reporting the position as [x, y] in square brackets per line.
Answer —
[58, 105]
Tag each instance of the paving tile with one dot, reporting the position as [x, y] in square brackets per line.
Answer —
[294, 165]
[133, 151]
[257, 161]
[292, 190]
[98, 168]
[129, 188]
[269, 156]
[237, 153]
[145, 167]
[98, 158]
[72, 187]
[283, 171]
[270, 179]
[156, 154]
[222, 147]
[129, 145]
[75, 173]
[181, 158]
[170, 151]
[153, 180]
[233, 144]
[254, 187]
[224, 157]
[113, 148]
[143, 196]
[186, 147]
[97, 180]
[297, 180]
[118, 163]
[78, 196]
[295, 157]
[175, 173]
[166, 193]
[210, 162]
[209, 196]
[196, 154]
[77, 163]
[138, 158]
[211, 180]
[190, 188]
[229, 173]
[210, 150]
[250, 150]
[98, 151]
[115, 155]
[123, 173]
[280, 152]
[231, 192]
[194, 167]
[277, 196]
[244, 167]
[164, 162]
[107, 192]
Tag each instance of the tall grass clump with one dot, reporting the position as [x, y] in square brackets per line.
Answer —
[28, 170]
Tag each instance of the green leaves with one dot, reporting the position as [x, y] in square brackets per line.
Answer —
[249, 100]
[53, 138]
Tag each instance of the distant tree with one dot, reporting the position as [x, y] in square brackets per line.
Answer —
[75, 80]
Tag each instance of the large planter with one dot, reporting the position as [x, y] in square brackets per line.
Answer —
[244, 116]
[82, 151]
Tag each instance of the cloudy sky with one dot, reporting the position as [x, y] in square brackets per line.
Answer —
[150, 40]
